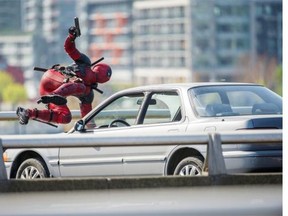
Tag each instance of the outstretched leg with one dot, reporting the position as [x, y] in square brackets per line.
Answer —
[54, 114]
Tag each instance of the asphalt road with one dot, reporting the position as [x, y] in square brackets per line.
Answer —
[204, 200]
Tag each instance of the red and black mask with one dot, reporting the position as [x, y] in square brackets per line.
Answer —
[103, 72]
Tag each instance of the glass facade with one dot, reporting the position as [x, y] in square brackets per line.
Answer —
[222, 36]
[268, 18]
[160, 36]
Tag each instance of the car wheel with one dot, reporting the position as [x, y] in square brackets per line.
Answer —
[31, 169]
[190, 166]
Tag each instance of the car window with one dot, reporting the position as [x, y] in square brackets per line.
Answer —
[235, 100]
[124, 108]
[244, 98]
[163, 107]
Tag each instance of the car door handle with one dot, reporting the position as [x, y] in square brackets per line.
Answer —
[173, 130]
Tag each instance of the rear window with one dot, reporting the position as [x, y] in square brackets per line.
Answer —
[234, 100]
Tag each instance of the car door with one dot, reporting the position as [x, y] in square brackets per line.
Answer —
[162, 114]
[102, 161]
[95, 161]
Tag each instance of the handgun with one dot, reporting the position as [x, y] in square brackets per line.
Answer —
[76, 22]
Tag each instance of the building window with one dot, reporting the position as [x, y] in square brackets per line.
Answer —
[242, 44]
[225, 60]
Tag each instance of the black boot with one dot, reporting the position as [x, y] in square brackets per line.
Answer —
[55, 99]
[23, 115]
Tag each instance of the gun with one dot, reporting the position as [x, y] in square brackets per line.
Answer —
[76, 22]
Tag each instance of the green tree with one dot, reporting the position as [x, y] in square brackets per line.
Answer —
[14, 93]
[5, 80]
[11, 91]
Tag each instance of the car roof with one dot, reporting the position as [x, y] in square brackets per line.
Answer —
[184, 85]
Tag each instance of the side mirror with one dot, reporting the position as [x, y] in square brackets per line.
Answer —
[79, 125]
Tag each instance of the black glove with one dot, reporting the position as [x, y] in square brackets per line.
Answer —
[73, 31]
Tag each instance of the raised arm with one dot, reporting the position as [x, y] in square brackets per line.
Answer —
[70, 46]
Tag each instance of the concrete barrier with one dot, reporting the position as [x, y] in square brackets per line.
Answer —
[237, 200]
[75, 184]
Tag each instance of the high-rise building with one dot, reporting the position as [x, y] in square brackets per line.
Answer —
[10, 16]
[196, 40]
[161, 41]
[220, 37]
[267, 16]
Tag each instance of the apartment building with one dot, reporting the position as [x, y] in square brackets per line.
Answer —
[196, 40]
[161, 41]
[10, 16]
[267, 34]
[220, 38]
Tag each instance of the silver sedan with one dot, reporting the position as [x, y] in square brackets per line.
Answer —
[162, 109]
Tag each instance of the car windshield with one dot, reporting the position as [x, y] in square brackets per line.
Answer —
[234, 100]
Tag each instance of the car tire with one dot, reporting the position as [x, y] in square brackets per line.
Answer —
[189, 166]
[32, 169]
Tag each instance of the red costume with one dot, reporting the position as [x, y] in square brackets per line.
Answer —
[53, 82]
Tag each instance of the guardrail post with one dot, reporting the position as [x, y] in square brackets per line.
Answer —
[3, 174]
[214, 156]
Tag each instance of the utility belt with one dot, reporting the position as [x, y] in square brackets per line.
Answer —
[68, 71]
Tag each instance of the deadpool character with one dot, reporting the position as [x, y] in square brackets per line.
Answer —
[57, 84]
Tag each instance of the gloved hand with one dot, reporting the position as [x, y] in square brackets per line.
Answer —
[73, 31]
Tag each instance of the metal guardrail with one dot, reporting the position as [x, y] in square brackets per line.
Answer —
[214, 159]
